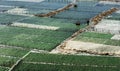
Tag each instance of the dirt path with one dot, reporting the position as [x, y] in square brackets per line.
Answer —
[52, 13]
[11, 69]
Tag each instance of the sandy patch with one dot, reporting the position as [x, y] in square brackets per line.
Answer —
[116, 37]
[17, 24]
[87, 48]
[92, 47]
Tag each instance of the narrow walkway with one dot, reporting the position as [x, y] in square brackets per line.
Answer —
[55, 12]
[12, 68]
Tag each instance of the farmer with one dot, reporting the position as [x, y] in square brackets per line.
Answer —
[77, 23]
[88, 22]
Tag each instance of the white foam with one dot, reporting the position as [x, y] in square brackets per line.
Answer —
[116, 37]
[17, 11]
[108, 26]
[17, 24]
[109, 2]
[118, 11]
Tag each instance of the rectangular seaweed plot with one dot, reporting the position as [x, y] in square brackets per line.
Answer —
[3, 69]
[16, 3]
[7, 61]
[12, 52]
[4, 8]
[44, 7]
[35, 7]
[100, 38]
[63, 24]
[59, 1]
[32, 38]
[9, 56]
[114, 16]
[75, 15]
[93, 9]
[55, 62]
[48, 67]
[6, 19]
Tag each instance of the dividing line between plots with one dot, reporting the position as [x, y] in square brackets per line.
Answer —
[12, 68]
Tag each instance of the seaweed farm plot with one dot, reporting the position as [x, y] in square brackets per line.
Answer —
[63, 24]
[26, 0]
[87, 3]
[55, 62]
[44, 7]
[73, 15]
[35, 7]
[16, 3]
[12, 51]
[27, 4]
[89, 6]
[47, 5]
[6, 19]
[32, 38]
[7, 61]
[98, 38]
[3, 69]
[9, 56]
[28, 43]
[114, 16]
[58, 1]
[82, 12]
